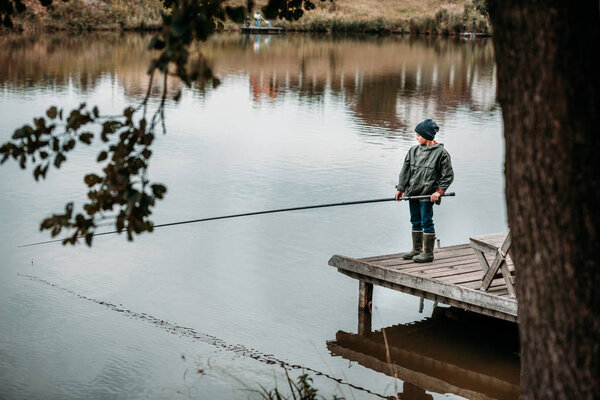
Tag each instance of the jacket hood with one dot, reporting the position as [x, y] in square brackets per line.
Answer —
[433, 146]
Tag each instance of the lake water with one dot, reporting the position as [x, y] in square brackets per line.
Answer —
[213, 310]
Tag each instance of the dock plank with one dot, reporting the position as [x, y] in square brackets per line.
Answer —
[433, 270]
[455, 262]
[399, 255]
[399, 261]
[407, 264]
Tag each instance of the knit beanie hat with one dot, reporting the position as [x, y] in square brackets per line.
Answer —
[427, 129]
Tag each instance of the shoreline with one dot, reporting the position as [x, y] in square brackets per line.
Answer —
[156, 28]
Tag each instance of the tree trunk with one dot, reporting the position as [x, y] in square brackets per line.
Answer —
[548, 88]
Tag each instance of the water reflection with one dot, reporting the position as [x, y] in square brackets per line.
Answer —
[58, 62]
[386, 83]
[454, 351]
[301, 120]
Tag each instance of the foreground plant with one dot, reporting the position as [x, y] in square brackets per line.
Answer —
[302, 389]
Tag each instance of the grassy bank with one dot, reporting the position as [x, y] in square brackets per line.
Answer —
[394, 16]
[445, 17]
[90, 15]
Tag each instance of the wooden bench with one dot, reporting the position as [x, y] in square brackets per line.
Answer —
[496, 246]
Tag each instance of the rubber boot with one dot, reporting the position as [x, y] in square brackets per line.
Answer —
[427, 254]
[417, 238]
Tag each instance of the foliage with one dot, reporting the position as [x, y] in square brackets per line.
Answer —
[406, 16]
[481, 6]
[302, 389]
[87, 15]
[8, 8]
[123, 186]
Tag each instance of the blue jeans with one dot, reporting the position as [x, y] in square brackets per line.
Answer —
[421, 215]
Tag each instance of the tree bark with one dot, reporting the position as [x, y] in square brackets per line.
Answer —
[548, 89]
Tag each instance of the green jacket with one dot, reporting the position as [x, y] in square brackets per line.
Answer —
[425, 170]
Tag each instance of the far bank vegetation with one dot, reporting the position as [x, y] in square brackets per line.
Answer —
[394, 16]
[90, 15]
[448, 17]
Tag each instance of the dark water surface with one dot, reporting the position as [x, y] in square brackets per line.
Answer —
[297, 120]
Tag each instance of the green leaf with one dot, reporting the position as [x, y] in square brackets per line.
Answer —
[52, 112]
[128, 112]
[40, 123]
[69, 209]
[92, 179]
[59, 159]
[108, 128]
[86, 137]
[37, 172]
[148, 139]
[158, 190]
[90, 209]
[19, 134]
[102, 156]
[120, 223]
[69, 145]
[47, 223]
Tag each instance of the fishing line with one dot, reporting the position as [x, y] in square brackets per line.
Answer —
[193, 221]
[179, 330]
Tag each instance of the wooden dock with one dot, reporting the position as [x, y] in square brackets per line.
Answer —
[261, 29]
[478, 276]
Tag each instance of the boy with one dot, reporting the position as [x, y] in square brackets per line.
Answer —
[427, 170]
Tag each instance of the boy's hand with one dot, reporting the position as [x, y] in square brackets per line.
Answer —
[398, 195]
[435, 197]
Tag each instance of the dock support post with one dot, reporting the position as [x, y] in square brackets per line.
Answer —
[365, 300]
[364, 322]
[365, 295]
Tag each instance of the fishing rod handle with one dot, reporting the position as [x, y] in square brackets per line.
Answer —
[425, 196]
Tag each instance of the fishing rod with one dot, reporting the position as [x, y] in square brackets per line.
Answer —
[192, 221]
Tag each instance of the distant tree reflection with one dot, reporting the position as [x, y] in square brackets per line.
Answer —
[386, 83]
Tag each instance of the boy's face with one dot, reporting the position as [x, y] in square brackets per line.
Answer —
[421, 139]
